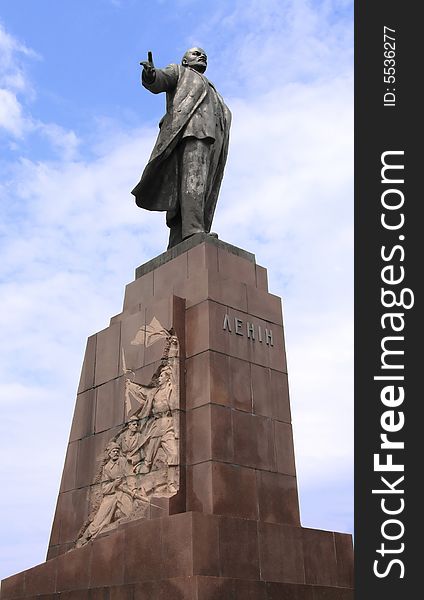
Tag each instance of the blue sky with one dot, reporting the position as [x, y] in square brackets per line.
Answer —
[76, 130]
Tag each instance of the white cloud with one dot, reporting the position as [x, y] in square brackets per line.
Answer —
[64, 142]
[276, 42]
[10, 51]
[15, 88]
[13, 81]
[11, 118]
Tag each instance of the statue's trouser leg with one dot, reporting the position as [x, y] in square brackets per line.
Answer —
[169, 445]
[174, 224]
[195, 162]
[124, 503]
[194, 176]
[103, 517]
[151, 450]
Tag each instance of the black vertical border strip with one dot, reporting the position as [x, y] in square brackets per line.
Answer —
[378, 129]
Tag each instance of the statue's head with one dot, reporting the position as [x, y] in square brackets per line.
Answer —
[113, 451]
[133, 424]
[196, 59]
[164, 375]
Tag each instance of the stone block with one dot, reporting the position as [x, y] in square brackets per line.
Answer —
[270, 396]
[209, 434]
[177, 588]
[227, 291]
[72, 511]
[90, 454]
[206, 556]
[110, 398]
[289, 591]
[107, 354]
[284, 449]
[220, 379]
[13, 586]
[83, 421]
[88, 365]
[197, 329]
[240, 384]
[203, 257]
[143, 553]
[198, 445]
[194, 289]
[277, 356]
[214, 588]
[234, 491]
[320, 557]
[249, 590]
[222, 441]
[108, 560]
[208, 380]
[281, 553]
[73, 570]
[253, 441]
[344, 559]
[169, 275]
[41, 579]
[261, 278]
[198, 388]
[139, 291]
[264, 305]
[278, 498]
[78, 595]
[238, 548]
[199, 487]
[346, 594]
[320, 592]
[177, 549]
[236, 268]
[247, 337]
[70, 468]
[120, 592]
[279, 396]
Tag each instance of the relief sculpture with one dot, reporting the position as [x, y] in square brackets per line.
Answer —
[141, 462]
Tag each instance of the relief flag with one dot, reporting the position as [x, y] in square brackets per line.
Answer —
[150, 334]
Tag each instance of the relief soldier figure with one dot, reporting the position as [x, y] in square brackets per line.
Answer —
[130, 444]
[158, 430]
[141, 462]
[117, 500]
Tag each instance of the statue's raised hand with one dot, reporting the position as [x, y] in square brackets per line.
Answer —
[148, 74]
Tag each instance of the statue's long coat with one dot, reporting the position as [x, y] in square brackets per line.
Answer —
[158, 188]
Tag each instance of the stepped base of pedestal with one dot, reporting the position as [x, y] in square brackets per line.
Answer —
[195, 556]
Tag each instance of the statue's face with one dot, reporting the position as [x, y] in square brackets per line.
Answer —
[114, 454]
[163, 377]
[132, 425]
[196, 59]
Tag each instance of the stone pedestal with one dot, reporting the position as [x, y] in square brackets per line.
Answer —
[219, 517]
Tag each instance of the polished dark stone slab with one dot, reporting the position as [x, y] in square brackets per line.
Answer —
[186, 245]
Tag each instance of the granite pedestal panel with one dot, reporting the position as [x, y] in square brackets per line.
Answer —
[227, 526]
